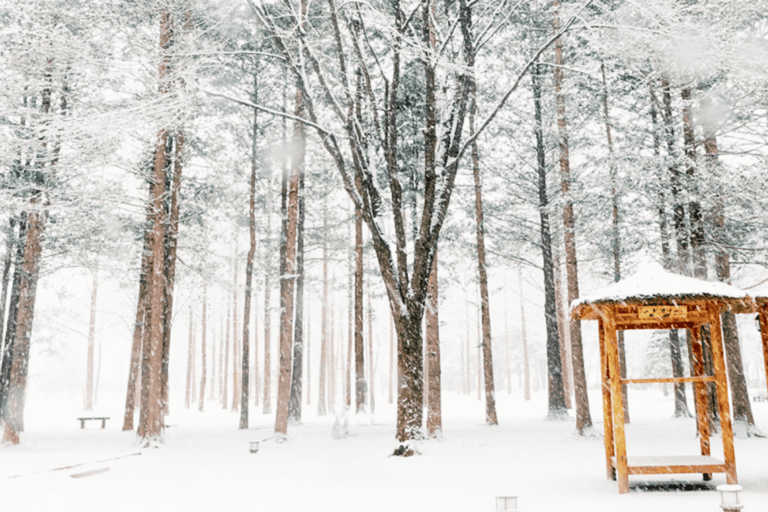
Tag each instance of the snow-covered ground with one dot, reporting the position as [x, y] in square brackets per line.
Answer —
[205, 464]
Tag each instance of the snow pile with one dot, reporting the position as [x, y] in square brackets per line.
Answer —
[653, 282]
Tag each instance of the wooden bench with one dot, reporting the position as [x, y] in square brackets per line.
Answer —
[102, 418]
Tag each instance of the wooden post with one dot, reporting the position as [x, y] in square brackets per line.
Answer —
[763, 314]
[700, 389]
[605, 377]
[722, 393]
[611, 344]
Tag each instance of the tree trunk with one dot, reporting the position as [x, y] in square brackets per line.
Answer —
[10, 238]
[485, 307]
[214, 365]
[91, 343]
[170, 245]
[391, 358]
[583, 418]
[249, 272]
[190, 362]
[526, 364]
[19, 357]
[675, 350]
[287, 279]
[562, 332]
[332, 363]
[556, 408]
[267, 327]
[299, 148]
[225, 355]
[697, 241]
[10, 330]
[616, 240]
[204, 372]
[324, 341]
[360, 384]
[370, 356]
[140, 324]
[434, 400]
[235, 341]
[742, 409]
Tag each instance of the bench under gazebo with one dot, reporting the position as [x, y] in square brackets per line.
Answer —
[656, 299]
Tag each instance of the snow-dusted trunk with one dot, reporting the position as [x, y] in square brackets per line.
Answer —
[742, 409]
[434, 399]
[30, 267]
[188, 398]
[297, 161]
[360, 384]
[267, 406]
[204, 369]
[615, 236]
[485, 306]
[583, 417]
[524, 339]
[249, 273]
[675, 350]
[562, 331]
[324, 342]
[287, 287]
[556, 392]
[91, 343]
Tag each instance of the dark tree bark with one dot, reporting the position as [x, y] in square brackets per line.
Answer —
[360, 384]
[10, 243]
[188, 397]
[371, 388]
[267, 409]
[10, 329]
[287, 281]
[526, 364]
[203, 330]
[583, 417]
[249, 269]
[299, 145]
[236, 354]
[615, 236]
[225, 356]
[324, 341]
[697, 242]
[556, 409]
[485, 306]
[434, 399]
[562, 331]
[742, 409]
[670, 263]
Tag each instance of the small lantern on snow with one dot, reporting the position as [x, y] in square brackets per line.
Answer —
[729, 497]
[254, 446]
[506, 503]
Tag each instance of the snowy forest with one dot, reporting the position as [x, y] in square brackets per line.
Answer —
[370, 209]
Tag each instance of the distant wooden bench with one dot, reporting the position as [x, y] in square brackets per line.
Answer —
[103, 421]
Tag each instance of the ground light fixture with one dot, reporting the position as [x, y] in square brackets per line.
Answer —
[729, 498]
[254, 446]
[506, 503]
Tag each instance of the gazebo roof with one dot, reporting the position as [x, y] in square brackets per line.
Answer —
[652, 285]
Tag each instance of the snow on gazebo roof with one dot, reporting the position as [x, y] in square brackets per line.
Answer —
[652, 283]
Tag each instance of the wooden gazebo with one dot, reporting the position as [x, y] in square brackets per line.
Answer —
[656, 299]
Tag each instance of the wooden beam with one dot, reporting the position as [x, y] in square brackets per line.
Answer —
[605, 377]
[722, 394]
[700, 389]
[620, 441]
[669, 380]
[763, 315]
